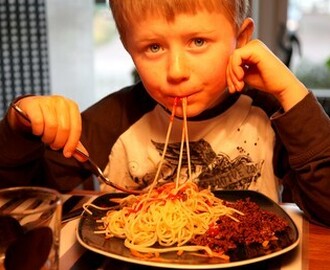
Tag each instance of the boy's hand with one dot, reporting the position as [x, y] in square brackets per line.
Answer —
[255, 65]
[55, 119]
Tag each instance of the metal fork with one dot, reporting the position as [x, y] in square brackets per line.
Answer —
[95, 169]
[98, 172]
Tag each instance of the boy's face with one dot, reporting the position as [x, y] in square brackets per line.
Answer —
[184, 58]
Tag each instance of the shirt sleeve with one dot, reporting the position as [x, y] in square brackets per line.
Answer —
[26, 161]
[17, 156]
[304, 132]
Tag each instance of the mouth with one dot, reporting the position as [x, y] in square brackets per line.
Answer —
[178, 106]
[178, 99]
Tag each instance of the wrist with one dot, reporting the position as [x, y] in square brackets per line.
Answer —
[292, 95]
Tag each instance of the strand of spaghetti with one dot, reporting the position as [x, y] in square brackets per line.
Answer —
[185, 122]
[129, 245]
[180, 156]
[87, 205]
[168, 218]
[184, 139]
[165, 146]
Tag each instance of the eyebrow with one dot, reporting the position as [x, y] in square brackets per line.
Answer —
[152, 37]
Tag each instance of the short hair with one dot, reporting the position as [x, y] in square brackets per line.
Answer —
[126, 12]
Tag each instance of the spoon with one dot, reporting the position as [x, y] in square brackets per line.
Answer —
[95, 169]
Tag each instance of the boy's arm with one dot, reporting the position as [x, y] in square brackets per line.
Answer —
[25, 160]
[54, 119]
[25, 144]
[17, 151]
[304, 131]
[303, 127]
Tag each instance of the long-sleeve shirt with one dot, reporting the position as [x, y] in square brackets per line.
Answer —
[290, 149]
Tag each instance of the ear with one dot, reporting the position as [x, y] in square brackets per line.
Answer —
[245, 32]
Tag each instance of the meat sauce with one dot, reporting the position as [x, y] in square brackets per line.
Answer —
[257, 233]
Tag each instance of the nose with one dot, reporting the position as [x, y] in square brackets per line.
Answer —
[178, 69]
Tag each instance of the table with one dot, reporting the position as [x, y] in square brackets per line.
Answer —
[318, 253]
[312, 254]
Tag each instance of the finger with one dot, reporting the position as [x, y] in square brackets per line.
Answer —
[230, 83]
[31, 107]
[237, 71]
[77, 155]
[50, 123]
[68, 126]
[63, 124]
[75, 130]
[37, 122]
[232, 75]
[235, 79]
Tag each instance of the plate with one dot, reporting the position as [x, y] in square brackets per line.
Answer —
[114, 247]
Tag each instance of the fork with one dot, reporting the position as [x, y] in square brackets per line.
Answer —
[95, 169]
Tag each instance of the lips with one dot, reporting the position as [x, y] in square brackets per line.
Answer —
[188, 95]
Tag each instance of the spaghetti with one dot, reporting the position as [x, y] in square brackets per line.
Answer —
[166, 220]
[168, 217]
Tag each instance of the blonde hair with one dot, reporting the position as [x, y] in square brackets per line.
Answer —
[126, 12]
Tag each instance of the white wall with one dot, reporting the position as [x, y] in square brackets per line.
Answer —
[70, 30]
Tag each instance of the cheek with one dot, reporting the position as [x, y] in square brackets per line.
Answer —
[147, 74]
[215, 73]
[216, 61]
[151, 78]
[145, 68]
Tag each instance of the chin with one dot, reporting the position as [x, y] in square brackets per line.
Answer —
[191, 112]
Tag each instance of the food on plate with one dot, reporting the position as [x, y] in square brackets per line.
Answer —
[182, 218]
[166, 220]
[258, 232]
[193, 220]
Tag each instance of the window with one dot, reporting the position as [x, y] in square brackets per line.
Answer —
[309, 21]
[113, 67]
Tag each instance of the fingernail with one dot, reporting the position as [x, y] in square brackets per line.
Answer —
[67, 154]
[231, 88]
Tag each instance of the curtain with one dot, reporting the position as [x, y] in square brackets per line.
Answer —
[24, 67]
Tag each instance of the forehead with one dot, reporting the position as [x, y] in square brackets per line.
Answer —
[203, 21]
[182, 30]
[129, 12]
[170, 8]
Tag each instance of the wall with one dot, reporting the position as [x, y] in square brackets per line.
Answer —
[70, 34]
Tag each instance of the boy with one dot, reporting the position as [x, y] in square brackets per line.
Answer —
[200, 50]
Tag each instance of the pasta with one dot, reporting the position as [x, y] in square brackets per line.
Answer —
[166, 218]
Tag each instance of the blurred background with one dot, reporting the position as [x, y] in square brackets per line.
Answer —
[71, 47]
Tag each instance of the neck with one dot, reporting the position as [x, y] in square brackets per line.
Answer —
[221, 107]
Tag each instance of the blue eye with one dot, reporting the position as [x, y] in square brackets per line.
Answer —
[199, 42]
[154, 48]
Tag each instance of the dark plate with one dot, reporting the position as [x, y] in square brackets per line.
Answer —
[115, 248]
